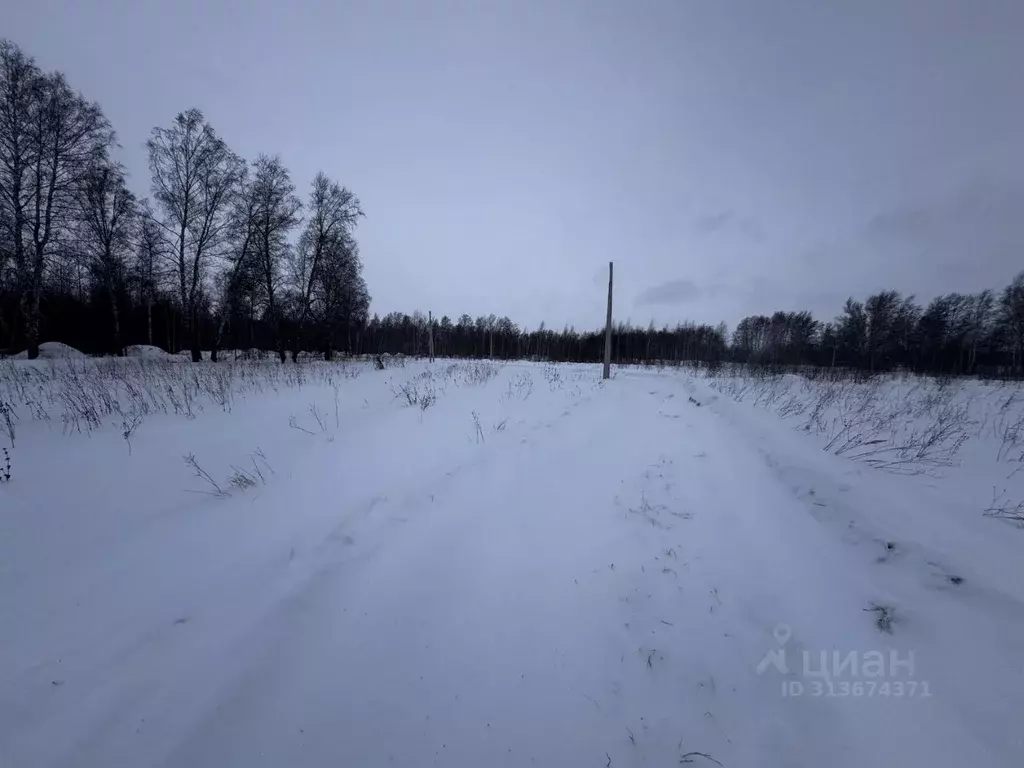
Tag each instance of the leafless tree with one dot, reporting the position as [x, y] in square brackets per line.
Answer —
[69, 136]
[6, 259]
[195, 180]
[49, 137]
[19, 85]
[276, 213]
[1011, 318]
[107, 213]
[151, 251]
[340, 299]
[238, 283]
[332, 214]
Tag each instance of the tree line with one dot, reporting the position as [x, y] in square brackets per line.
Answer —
[958, 333]
[223, 253]
[954, 334]
[500, 337]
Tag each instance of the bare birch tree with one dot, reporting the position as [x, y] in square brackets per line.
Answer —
[49, 137]
[195, 180]
[237, 283]
[276, 213]
[107, 212]
[150, 257]
[332, 214]
[340, 299]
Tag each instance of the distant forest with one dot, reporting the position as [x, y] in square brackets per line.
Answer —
[226, 254]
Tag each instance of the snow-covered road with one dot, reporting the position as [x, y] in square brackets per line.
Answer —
[612, 576]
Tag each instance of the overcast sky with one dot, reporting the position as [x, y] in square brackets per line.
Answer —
[730, 157]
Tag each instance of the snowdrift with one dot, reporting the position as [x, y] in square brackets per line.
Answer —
[51, 350]
[147, 352]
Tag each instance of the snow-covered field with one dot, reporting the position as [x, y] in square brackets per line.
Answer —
[467, 564]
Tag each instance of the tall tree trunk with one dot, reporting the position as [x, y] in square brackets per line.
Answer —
[149, 320]
[30, 315]
[218, 334]
[6, 332]
[119, 350]
[299, 328]
[169, 326]
[193, 327]
[275, 322]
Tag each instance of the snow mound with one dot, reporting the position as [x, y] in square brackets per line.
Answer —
[51, 350]
[146, 352]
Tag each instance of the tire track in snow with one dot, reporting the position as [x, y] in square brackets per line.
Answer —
[596, 590]
[478, 634]
[813, 497]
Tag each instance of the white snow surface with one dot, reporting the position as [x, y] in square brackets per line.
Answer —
[147, 351]
[446, 567]
[51, 350]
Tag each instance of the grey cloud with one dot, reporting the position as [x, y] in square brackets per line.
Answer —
[726, 221]
[973, 235]
[982, 209]
[711, 222]
[672, 292]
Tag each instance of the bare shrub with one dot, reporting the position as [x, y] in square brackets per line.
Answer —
[1004, 508]
[7, 419]
[553, 377]
[241, 479]
[202, 474]
[294, 424]
[1010, 430]
[884, 617]
[480, 372]
[909, 431]
[427, 399]
[314, 411]
[520, 387]
[129, 423]
[244, 478]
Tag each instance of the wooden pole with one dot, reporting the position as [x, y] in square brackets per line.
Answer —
[608, 330]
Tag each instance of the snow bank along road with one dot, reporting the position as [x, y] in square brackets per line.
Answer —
[533, 569]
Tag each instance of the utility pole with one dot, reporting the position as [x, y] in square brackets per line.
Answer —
[430, 333]
[608, 329]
